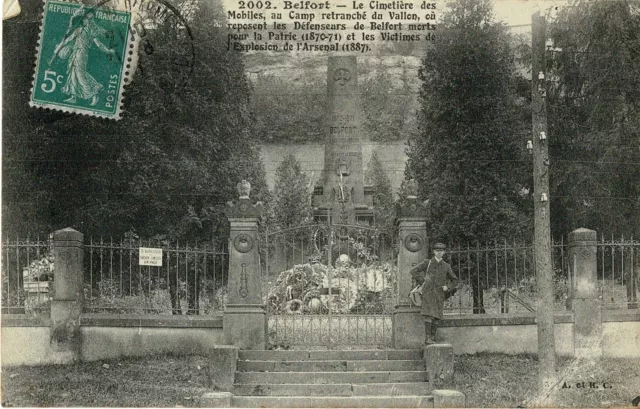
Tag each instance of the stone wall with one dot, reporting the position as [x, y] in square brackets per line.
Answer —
[513, 335]
[621, 334]
[27, 341]
[311, 158]
[113, 342]
[518, 334]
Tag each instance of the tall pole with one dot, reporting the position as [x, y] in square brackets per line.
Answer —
[542, 232]
[330, 278]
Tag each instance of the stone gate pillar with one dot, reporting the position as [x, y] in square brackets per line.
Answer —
[585, 301]
[244, 318]
[413, 247]
[68, 297]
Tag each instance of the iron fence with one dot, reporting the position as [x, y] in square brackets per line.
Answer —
[618, 272]
[27, 274]
[191, 280]
[355, 330]
[499, 277]
[496, 277]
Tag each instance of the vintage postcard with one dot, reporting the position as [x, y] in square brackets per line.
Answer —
[320, 203]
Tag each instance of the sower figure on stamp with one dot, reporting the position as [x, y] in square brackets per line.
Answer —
[438, 282]
[82, 33]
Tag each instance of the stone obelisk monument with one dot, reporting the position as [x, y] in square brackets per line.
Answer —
[342, 193]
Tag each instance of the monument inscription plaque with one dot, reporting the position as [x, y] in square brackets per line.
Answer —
[343, 182]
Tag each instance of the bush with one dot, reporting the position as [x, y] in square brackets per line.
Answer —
[155, 300]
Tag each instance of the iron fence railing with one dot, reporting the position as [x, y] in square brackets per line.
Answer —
[191, 280]
[618, 272]
[27, 274]
[499, 277]
[339, 330]
[495, 277]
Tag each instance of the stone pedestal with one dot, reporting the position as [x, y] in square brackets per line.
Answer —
[216, 400]
[244, 319]
[68, 298]
[408, 323]
[438, 359]
[408, 328]
[245, 326]
[584, 294]
[223, 362]
[444, 398]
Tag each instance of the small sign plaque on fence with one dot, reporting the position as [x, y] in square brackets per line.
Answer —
[150, 257]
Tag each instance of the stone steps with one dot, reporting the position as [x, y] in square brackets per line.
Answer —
[336, 389]
[270, 378]
[331, 379]
[332, 401]
[324, 355]
[331, 366]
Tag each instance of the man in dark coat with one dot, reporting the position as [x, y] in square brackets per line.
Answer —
[436, 278]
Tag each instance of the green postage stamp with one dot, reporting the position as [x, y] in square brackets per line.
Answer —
[86, 54]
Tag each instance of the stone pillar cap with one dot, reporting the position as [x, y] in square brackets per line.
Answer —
[244, 209]
[224, 347]
[439, 346]
[446, 392]
[582, 234]
[67, 234]
[217, 394]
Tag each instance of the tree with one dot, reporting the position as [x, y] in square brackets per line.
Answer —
[288, 111]
[383, 211]
[24, 192]
[165, 170]
[292, 195]
[468, 156]
[388, 110]
[290, 206]
[594, 117]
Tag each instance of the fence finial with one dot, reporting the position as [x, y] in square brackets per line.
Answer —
[244, 189]
[412, 189]
[244, 208]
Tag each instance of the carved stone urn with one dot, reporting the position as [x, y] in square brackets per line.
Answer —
[244, 189]
[411, 189]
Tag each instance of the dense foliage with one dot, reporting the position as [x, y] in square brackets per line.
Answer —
[383, 212]
[288, 111]
[594, 117]
[165, 169]
[388, 109]
[291, 203]
[294, 111]
[468, 156]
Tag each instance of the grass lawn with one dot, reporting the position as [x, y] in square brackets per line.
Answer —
[488, 380]
[497, 380]
[161, 381]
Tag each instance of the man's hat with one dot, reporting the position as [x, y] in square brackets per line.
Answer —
[439, 246]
